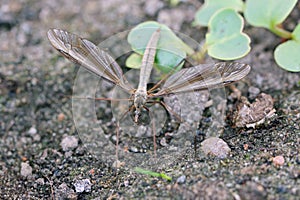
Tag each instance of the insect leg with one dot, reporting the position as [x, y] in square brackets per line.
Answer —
[117, 139]
[168, 109]
[153, 130]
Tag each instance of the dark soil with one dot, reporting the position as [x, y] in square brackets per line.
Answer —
[41, 160]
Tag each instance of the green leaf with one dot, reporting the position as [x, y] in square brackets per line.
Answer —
[225, 39]
[268, 13]
[151, 173]
[170, 49]
[210, 7]
[134, 61]
[166, 177]
[287, 54]
[296, 33]
[167, 62]
[174, 2]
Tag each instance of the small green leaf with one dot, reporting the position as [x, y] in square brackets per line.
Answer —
[287, 54]
[170, 64]
[170, 49]
[268, 13]
[225, 39]
[210, 7]
[134, 61]
[296, 33]
[151, 173]
[166, 177]
[174, 2]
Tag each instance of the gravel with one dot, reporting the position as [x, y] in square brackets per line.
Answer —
[42, 157]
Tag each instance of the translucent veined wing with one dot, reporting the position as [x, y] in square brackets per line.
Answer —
[202, 77]
[88, 55]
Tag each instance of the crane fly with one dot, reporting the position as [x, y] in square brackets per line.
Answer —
[100, 63]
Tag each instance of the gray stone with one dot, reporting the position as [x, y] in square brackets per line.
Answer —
[216, 147]
[83, 185]
[26, 169]
[69, 143]
[181, 179]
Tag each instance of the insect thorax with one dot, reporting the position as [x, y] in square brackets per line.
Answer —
[140, 99]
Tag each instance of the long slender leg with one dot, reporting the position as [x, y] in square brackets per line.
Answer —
[154, 137]
[153, 130]
[117, 140]
[125, 113]
[118, 131]
[168, 109]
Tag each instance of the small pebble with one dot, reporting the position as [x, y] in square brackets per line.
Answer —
[23, 158]
[181, 179]
[26, 169]
[163, 142]
[32, 131]
[36, 138]
[118, 164]
[34, 81]
[69, 143]
[68, 154]
[216, 147]
[92, 172]
[278, 160]
[126, 183]
[253, 92]
[246, 147]
[40, 181]
[60, 117]
[134, 149]
[64, 192]
[83, 185]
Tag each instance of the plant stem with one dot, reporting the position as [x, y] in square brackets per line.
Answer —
[198, 56]
[281, 32]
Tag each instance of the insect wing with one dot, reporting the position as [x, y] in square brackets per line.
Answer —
[202, 77]
[88, 55]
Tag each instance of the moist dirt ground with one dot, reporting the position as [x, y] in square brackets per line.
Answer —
[43, 157]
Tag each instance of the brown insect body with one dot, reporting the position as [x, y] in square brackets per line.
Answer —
[141, 95]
